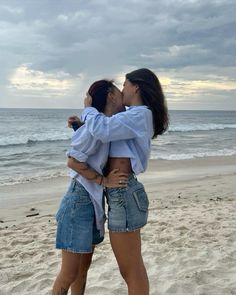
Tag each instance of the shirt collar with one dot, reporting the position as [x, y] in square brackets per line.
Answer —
[142, 107]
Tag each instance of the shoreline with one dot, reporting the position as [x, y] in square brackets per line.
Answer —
[43, 197]
[188, 243]
[160, 171]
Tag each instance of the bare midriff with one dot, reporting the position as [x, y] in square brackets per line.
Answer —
[123, 164]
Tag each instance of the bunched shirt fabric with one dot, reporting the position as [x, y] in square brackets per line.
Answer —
[129, 132]
[86, 148]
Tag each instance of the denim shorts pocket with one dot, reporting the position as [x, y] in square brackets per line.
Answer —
[79, 196]
[82, 200]
[116, 195]
[141, 199]
[116, 192]
[61, 211]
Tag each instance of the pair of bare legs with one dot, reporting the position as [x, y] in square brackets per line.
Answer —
[127, 249]
[73, 273]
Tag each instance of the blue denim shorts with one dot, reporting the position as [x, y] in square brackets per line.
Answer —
[127, 207]
[76, 224]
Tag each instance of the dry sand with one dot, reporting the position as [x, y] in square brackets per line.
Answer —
[189, 244]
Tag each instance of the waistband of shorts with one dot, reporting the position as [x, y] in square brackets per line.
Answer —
[131, 179]
[74, 183]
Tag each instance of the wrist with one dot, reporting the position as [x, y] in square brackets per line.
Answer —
[104, 181]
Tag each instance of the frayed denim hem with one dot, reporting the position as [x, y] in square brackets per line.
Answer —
[128, 229]
[75, 251]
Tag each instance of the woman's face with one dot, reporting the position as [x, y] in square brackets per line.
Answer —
[128, 92]
[118, 98]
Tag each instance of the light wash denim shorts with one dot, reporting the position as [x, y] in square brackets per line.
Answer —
[127, 207]
[76, 224]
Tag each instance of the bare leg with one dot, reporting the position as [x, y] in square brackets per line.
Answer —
[78, 286]
[71, 263]
[127, 249]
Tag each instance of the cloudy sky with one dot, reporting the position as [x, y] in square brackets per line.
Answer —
[52, 50]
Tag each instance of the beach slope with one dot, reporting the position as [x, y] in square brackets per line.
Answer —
[189, 244]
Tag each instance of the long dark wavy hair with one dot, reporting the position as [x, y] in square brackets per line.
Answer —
[99, 91]
[153, 97]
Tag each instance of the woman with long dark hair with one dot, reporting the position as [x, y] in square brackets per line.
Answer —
[130, 134]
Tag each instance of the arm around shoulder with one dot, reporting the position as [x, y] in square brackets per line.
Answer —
[121, 126]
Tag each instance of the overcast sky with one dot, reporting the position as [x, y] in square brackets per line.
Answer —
[52, 50]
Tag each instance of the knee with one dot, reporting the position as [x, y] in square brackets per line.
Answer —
[68, 277]
[132, 272]
[124, 273]
[85, 264]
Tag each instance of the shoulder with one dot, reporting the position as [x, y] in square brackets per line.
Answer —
[139, 112]
[138, 109]
[142, 117]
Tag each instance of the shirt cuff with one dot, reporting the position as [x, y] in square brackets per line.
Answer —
[86, 111]
[79, 156]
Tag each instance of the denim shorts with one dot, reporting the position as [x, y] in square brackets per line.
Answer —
[76, 224]
[127, 207]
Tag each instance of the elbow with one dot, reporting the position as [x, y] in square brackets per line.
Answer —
[75, 165]
[70, 163]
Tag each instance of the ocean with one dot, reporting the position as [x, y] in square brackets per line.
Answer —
[33, 142]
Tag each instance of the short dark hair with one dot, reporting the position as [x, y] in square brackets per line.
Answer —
[98, 91]
[152, 96]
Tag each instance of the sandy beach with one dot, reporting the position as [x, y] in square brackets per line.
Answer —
[189, 244]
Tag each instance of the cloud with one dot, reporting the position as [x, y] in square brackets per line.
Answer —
[181, 40]
[38, 83]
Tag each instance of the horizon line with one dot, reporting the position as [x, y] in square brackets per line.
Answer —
[170, 109]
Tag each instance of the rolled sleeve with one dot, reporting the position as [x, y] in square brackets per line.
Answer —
[86, 111]
[83, 145]
[76, 154]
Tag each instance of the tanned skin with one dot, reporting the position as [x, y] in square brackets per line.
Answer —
[62, 292]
